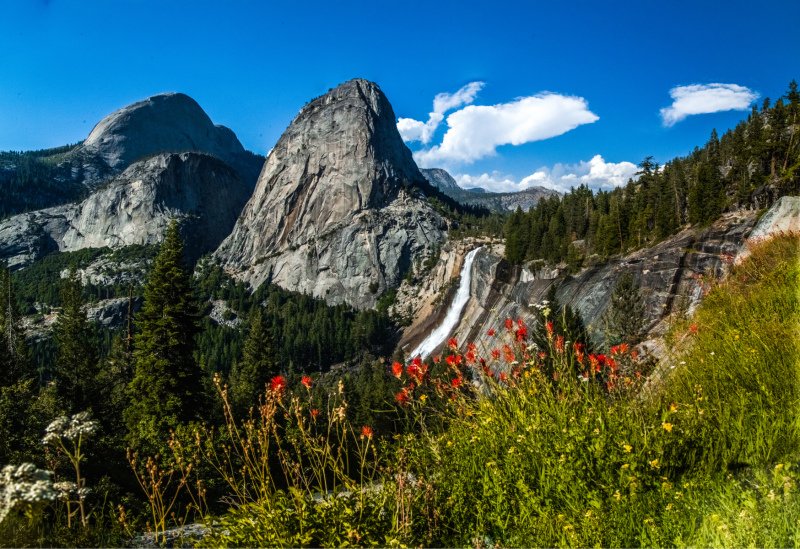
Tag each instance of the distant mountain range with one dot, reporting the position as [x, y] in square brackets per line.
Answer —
[496, 202]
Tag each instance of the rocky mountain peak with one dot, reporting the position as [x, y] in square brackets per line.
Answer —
[168, 122]
[441, 179]
[334, 212]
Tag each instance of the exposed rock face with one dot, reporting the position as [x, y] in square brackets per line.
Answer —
[670, 276]
[497, 202]
[337, 211]
[441, 179]
[135, 208]
[164, 123]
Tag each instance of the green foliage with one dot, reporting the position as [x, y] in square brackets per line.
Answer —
[167, 385]
[736, 367]
[249, 376]
[75, 369]
[624, 318]
[39, 283]
[32, 180]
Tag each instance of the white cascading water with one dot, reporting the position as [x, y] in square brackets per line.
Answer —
[436, 337]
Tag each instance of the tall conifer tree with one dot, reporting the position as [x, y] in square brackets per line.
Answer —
[167, 386]
[249, 376]
[76, 360]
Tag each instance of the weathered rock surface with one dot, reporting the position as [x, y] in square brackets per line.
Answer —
[164, 123]
[782, 217]
[496, 202]
[670, 275]
[338, 211]
[135, 208]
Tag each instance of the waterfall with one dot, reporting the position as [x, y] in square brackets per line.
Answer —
[436, 337]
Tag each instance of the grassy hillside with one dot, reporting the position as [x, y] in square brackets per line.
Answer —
[554, 447]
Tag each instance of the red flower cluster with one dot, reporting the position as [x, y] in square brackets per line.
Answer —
[620, 349]
[397, 370]
[403, 397]
[306, 381]
[366, 431]
[277, 384]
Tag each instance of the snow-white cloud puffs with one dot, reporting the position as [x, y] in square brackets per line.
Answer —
[704, 99]
[415, 130]
[475, 132]
[595, 173]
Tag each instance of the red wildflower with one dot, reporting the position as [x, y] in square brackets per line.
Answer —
[452, 343]
[277, 384]
[579, 354]
[415, 372]
[508, 353]
[509, 324]
[620, 349]
[503, 377]
[522, 331]
[594, 364]
[437, 359]
[634, 355]
[470, 356]
[456, 382]
[491, 332]
[472, 347]
[306, 381]
[314, 414]
[417, 361]
[402, 397]
[560, 344]
[397, 370]
[495, 354]
[451, 360]
[693, 329]
[549, 327]
[366, 431]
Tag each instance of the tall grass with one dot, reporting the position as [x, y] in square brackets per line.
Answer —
[548, 446]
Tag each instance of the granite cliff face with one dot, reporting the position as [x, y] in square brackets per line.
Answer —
[496, 202]
[165, 123]
[670, 275]
[135, 208]
[338, 211]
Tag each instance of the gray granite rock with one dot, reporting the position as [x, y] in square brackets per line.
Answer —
[337, 211]
[135, 208]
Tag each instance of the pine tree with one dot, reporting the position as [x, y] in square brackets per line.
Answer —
[167, 387]
[257, 366]
[625, 316]
[15, 362]
[76, 359]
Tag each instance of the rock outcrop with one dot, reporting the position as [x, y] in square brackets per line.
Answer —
[162, 124]
[496, 202]
[339, 210]
[670, 274]
[135, 208]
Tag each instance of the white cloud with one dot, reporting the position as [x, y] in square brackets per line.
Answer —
[475, 132]
[704, 99]
[596, 173]
[415, 130]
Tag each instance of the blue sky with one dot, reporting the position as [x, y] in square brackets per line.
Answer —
[252, 65]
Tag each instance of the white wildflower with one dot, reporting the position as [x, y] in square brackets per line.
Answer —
[70, 428]
[24, 486]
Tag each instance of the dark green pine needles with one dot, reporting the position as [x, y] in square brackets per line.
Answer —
[167, 386]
